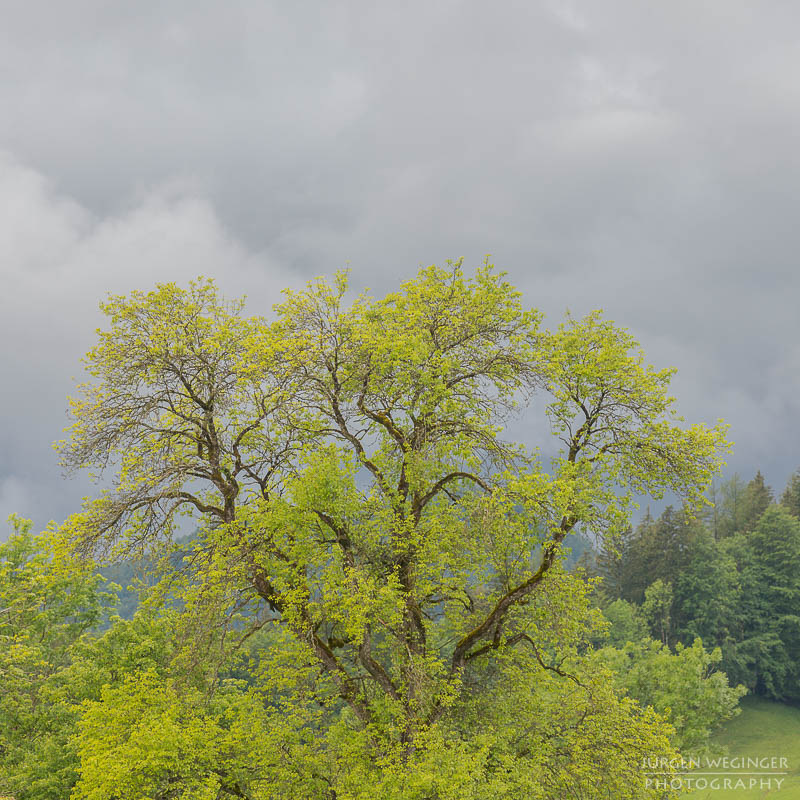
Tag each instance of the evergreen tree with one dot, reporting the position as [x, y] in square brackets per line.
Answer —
[706, 593]
[713, 513]
[659, 549]
[757, 498]
[730, 506]
[740, 505]
[765, 652]
[790, 499]
[612, 563]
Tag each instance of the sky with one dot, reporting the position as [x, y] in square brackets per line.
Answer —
[636, 157]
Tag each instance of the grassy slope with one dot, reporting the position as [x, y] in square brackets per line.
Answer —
[763, 729]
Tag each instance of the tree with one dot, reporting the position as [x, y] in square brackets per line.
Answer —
[147, 738]
[741, 505]
[685, 685]
[49, 603]
[657, 550]
[707, 594]
[757, 499]
[771, 599]
[790, 499]
[360, 498]
[713, 513]
[729, 508]
[613, 563]
[656, 609]
[62, 683]
[625, 623]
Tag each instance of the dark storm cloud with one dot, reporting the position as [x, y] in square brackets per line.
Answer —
[638, 157]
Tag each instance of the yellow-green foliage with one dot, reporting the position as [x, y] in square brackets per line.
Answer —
[49, 601]
[365, 522]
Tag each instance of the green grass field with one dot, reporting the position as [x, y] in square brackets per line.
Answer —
[764, 729]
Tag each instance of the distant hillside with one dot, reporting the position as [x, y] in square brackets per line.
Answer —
[125, 575]
[128, 574]
[581, 550]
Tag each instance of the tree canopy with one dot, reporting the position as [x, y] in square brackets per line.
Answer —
[362, 513]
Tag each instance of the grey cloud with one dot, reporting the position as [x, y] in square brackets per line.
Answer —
[638, 157]
[55, 272]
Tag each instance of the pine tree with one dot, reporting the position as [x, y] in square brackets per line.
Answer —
[758, 497]
[730, 505]
[790, 499]
[612, 563]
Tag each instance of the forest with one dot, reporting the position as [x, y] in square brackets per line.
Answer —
[730, 578]
[315, 568]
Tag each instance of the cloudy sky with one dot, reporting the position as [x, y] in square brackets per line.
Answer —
[636, 157]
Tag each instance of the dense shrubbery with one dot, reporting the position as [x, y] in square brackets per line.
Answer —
[97, 706]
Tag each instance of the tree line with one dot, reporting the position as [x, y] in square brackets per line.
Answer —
[730, 576]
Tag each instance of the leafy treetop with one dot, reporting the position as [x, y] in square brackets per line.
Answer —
[350, 460]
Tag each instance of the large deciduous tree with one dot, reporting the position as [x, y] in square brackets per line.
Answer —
[362, 500]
